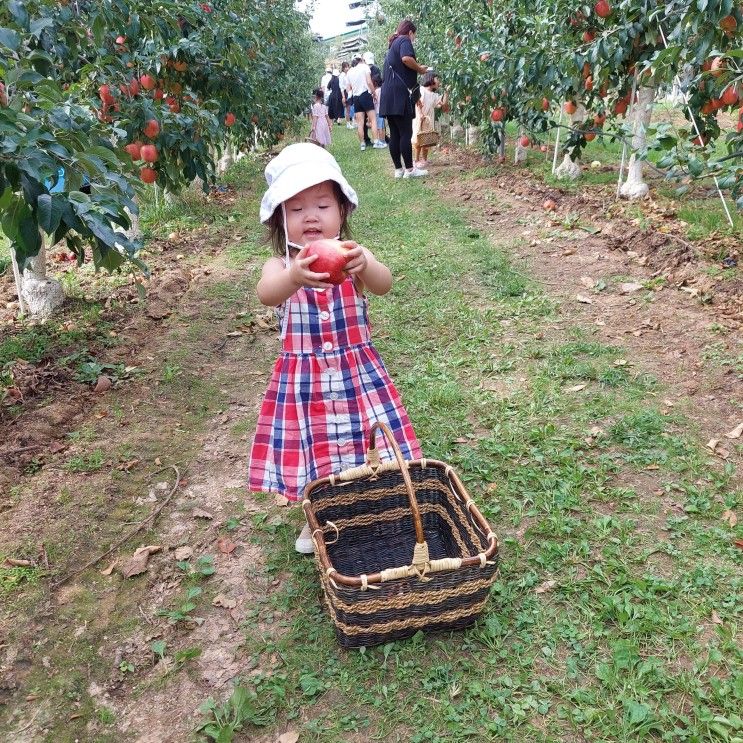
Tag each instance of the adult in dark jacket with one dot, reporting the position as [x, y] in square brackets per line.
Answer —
[336, 110]
[397, 103]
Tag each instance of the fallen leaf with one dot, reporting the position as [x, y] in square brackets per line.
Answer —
[13, 563]
[715, 617]
[587, 281]
[226, 603]
[630, 287]
[289, 737]
[225, 545]
[621, 362]
[137, 563]
[110, 568]
[157, 461]
[461, 440]
[548, 585]
[56, 447]
[280, 500]
[736, 433]
[730, 517]
[183, 553]
[200, 513]
[577, 388]
[712, 444]
[738, 543]
[234, 334]
[103, 384]
[583, 299]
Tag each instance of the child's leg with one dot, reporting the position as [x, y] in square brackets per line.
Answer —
[424, 153]
[416, 153]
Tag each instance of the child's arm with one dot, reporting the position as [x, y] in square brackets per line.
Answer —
[374, 275]
[278, 283]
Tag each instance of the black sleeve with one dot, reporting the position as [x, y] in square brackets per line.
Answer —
[406, 48]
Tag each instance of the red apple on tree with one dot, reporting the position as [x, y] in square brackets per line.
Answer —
[147, 82]
[497, 114]
[602, 9]
[148, 175]
[151, 129]
[524, 141]
[135, 150]
[148, 153]
[229, 119]
[332, 256]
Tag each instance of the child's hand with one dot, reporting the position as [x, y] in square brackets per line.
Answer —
[302, 275]
[357, 258]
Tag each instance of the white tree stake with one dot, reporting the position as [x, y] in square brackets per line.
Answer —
[624, 139]
[557, 143]
[18, 283]
[685, 97]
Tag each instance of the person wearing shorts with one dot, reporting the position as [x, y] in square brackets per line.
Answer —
[360, 82]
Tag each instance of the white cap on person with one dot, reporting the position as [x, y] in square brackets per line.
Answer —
[368, 57]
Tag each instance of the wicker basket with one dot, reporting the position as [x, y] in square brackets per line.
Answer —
[400, 546]
[428, 139]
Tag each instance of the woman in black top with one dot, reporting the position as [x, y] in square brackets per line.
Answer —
[335, 102]
[399, 95]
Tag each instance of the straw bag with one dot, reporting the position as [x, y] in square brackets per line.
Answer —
[428, 139]
[400, 546]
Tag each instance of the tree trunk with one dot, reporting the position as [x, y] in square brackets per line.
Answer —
[40, 294]
[520, 153]
[227, 160]
[473, 135]
[134, 232]
[570, 169]
[635, 187]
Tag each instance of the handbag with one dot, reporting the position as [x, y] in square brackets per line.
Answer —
[414, 92]
[428, 139]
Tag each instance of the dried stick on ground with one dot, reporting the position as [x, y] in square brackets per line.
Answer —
[130, 534]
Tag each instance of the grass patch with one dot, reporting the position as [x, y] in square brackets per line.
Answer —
[577, 484]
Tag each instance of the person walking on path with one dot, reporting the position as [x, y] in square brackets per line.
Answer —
[343, 82]
[425, 116]
[321, 122]
[329, 385]
[362, 89]
[399, 95]
[324, 80]
[335, 102]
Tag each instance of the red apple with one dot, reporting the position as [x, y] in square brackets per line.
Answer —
[524, 141]
[497, 114]
[148, 175]
[602, 8]
[148, 153]
[229, 119]
[135, 150]
[151, 129]
[147, 82]
[730, 96]
[728, 24]
[332, 257]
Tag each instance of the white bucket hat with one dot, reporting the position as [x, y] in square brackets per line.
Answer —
[368, 57]
[297, 167]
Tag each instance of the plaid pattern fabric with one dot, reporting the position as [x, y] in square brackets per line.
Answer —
[328, 387]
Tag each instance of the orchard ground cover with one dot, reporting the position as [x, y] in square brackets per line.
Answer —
[579, 426]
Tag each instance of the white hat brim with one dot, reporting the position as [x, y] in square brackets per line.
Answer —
[300, 175]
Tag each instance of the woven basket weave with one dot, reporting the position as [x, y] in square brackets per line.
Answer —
[401, 547]
[428, 139]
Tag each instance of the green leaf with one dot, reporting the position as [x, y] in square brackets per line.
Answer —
[9, 39]
[638, 712]
[20, 227]
[49, 212]
[37, 26]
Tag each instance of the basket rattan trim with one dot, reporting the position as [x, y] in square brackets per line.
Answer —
[397, 514]
[411, 623]
[405, 601]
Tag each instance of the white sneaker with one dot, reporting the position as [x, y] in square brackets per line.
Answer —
[399, 172]
[350, 126]
[379, 145]
[414, 173]
[304, 544]
[363, 147]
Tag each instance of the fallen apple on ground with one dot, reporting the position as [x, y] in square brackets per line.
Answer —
[332, 256]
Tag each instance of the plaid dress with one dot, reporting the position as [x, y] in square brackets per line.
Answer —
[327, 389]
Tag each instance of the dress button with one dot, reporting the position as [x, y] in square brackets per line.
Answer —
[328, 346]
[324, 315]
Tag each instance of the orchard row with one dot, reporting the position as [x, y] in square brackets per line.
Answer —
[97, 96]
[587, 67]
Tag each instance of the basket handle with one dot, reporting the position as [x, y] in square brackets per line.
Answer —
[373, 456]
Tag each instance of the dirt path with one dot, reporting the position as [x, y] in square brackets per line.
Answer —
[79, 664]
[621, 288]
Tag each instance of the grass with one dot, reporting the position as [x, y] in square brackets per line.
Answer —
[626, 646]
